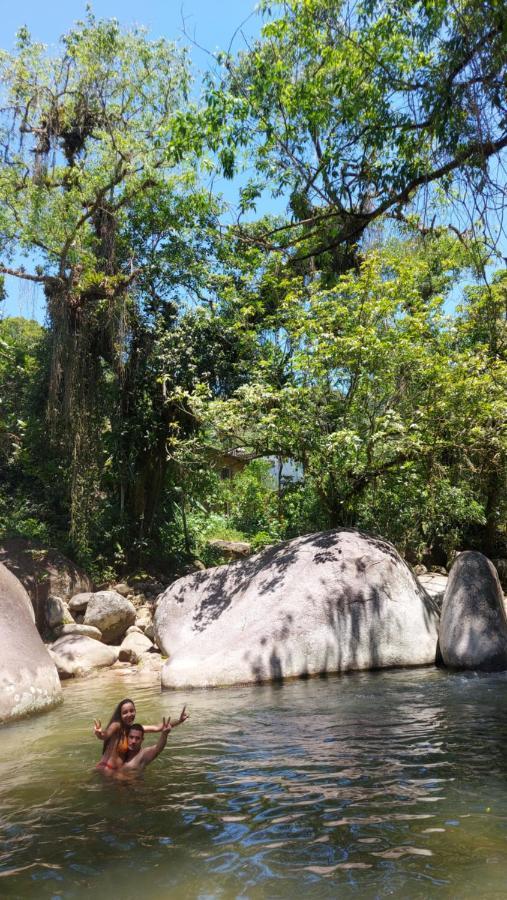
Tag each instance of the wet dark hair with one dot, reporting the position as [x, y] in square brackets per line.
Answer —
[116, 717]
[136, 727]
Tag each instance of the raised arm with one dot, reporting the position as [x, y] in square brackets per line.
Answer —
[104, 734]
[151, 753]
[150, 729]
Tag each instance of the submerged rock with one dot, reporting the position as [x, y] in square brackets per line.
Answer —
[29, 681]
[473, 627]
[330, 602]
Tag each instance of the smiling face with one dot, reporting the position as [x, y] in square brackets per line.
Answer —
[135, 739]
[127, 713]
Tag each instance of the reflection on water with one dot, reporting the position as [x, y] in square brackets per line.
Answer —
[369, 785]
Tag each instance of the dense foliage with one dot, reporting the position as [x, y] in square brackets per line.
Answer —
[359, 335]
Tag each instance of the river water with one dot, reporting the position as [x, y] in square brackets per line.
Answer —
[388, 784]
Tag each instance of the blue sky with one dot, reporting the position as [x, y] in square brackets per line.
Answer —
[211, 25]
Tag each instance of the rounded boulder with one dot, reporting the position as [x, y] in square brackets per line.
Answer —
[473, 625]
[330, 602]
[29, 681]
[78, 654]
[111, 613]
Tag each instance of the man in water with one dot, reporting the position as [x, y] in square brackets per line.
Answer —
[137, 757]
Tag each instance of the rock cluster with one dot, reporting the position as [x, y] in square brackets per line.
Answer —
[323, 603]
[105, 626]
[473, 626]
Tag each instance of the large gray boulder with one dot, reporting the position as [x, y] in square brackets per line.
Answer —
[43, 571]
[473, 627]
[329, 602]
[78, 654]
[111, 613]
[29, 681]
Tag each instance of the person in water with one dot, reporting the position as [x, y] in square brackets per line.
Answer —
[138, 757]
[115, 735]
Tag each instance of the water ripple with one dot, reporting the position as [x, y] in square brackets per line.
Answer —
[371, 785]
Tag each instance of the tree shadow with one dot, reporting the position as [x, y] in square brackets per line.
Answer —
[354, 613]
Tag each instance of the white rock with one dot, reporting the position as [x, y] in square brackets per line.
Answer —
[79, 602]
[330, 602]
[87, 630]
[137, 642]
[29, 681]
[111, 613]
[76, 654]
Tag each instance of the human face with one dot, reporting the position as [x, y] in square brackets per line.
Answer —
[128, 713]
[134, 740]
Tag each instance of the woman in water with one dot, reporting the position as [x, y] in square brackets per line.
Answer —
[115, 735]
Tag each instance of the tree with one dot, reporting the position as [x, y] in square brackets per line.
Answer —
[357, 112]
[391, 406]
[90, 137]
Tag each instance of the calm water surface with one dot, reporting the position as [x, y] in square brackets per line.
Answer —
[371, 785]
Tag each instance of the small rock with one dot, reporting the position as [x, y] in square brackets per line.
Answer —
[57, 612]
[74, 628]
[122, 589]
[134, 629]
[420, 569]
[144, 617]
[232, 549]
[111, 613]
[136, 641]
[77, 654]
[79, 602]
[128, 654]
[439, 570]
[150, 632]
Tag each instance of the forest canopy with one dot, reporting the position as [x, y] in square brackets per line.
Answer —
[358, 330]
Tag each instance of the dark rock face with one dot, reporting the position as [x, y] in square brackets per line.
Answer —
[43, 571]
[473, 626]
[322, 603]
[29, 681]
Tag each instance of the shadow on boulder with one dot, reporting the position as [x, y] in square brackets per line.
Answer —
[473, 625]
[330, 602]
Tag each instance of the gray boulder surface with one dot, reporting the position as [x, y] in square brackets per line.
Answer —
[74, 628]
[78, 654]
[111, 613]
[330, 602]
[79, 602]
[43, 571]
[57, 612]
[136, 642]
[29, 681]
[473, 626]
[434, 584]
